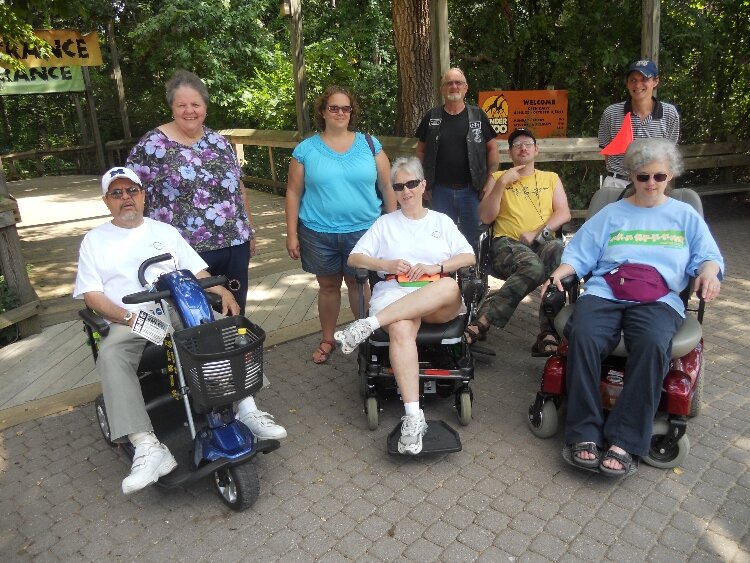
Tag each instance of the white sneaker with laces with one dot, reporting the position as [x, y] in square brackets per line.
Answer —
[150, 462]
[412, 430]
[353, 335]
[262, 425]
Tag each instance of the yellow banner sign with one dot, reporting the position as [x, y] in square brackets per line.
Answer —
[69, 48]
[544, 112]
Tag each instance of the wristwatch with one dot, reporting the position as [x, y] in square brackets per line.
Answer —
[546, 233]
[126, 318]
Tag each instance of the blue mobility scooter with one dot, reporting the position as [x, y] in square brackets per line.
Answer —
[446, 367]
[199, 370]
[682, 388]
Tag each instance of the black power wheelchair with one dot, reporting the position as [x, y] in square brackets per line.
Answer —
[446, 364]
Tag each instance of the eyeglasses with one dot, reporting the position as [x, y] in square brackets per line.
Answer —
[658, 177]
[337, 109]
[411, 184]
[132, 191]
[457, 83]
[519, 144]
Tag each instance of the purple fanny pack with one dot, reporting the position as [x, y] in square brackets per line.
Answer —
[636, 282]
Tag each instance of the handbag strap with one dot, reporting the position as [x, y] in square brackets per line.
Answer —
[368, 138]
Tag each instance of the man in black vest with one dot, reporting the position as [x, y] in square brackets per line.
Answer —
[459, 153]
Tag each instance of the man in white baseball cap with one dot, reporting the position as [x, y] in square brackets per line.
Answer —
[108, 264]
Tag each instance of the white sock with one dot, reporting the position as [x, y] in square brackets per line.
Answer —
[138, 438]
[373, 322]
[412, 409]
[245, 406]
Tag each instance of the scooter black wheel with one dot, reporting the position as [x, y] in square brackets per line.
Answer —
[672, 457]
[101, 418]
[238, 487]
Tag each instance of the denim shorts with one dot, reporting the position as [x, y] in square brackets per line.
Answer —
[325, 254]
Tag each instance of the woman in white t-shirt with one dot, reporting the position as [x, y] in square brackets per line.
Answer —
[411, 242]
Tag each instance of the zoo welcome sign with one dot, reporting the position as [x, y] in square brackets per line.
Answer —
[544, 112]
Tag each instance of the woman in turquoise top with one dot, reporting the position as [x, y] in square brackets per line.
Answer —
[331, 200]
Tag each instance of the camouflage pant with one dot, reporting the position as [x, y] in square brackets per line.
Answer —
[523, 269]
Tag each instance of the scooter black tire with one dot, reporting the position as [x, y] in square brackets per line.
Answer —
[238, 487]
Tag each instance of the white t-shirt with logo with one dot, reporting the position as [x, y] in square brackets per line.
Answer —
[110, 256]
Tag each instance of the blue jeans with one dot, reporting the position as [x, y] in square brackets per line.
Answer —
[232, 262]
[462, 206]
[593, 332]
[326, 254]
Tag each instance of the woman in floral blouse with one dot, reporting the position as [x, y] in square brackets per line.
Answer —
[193, 182]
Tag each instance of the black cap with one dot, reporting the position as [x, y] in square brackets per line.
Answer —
[520, 133]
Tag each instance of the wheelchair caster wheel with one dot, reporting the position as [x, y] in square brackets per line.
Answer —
[543, 422]
[671, 457]
[371, 408]
[101, 418]
[463, 405]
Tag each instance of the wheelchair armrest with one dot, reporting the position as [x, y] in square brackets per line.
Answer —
[361, 275]
[569, 282]
[94, 321]
[472, 286]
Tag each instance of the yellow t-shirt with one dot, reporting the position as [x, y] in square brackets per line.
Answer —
[526, 204]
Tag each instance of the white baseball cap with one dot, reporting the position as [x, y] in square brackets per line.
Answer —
[118, 172]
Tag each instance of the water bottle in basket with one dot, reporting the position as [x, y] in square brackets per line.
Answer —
[242, 338]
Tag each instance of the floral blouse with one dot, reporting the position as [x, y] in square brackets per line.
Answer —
[194, 188]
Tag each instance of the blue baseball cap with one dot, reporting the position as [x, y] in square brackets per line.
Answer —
[646, 67]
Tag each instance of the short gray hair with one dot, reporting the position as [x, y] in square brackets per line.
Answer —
[186, 78]
[644, 151]
[407, 164]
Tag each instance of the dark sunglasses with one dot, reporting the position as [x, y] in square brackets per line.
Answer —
[658, 177]
[411, 184]
[132, 191]
[337, 109]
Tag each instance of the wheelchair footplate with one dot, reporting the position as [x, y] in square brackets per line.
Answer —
[440, 438]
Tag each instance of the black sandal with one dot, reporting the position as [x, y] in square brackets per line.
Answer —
[476, 332]
[629, 464]
[545, 340]
[571, 451]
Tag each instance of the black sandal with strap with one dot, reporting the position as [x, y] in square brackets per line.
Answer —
[629, 464]
[571, 451]
[545, 340]
[476, 332]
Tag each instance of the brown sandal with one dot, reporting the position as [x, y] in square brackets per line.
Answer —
[476, 332]
[320, 356]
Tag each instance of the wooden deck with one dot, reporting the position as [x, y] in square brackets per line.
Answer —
[52, 371]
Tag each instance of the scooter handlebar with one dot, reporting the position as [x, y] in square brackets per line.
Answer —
[146, 263]
[146, 296]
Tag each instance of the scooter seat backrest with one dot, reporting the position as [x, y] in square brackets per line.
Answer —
[605, 196]
[686, 338]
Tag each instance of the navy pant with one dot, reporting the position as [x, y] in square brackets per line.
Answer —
[593, 332]
[461, 205]
[232, 262]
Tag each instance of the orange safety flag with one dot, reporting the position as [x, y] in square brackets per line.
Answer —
[620, 143]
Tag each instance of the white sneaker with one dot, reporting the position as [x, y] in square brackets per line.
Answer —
[412, 430]
[150, 462]
[353, 335]
[262, 425]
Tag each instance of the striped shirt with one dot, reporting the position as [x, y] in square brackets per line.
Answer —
[663, 123]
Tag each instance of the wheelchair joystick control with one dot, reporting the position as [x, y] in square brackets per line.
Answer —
[553, 300]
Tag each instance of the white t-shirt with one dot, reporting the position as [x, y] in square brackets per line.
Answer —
[433, 239]
[110, 256]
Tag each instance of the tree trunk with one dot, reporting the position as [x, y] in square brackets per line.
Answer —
[411, 31]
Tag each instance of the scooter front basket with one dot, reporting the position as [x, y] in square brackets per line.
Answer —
[217, 372]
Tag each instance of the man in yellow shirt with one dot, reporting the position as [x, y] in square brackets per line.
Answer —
[525, 208]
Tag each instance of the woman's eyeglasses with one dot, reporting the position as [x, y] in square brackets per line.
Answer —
[337, 109]
[131, 191]
[411, 184]
[658, 177]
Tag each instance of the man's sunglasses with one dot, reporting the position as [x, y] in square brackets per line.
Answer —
[411, 184]
[658, 177]
[132, 191]
[337, 109]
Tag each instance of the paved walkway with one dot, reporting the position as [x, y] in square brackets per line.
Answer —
[331, 493]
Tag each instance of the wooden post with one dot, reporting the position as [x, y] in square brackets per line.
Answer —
[298, 60]
[94, 121]
[13, 268]
[440, 41]
[118, 79]
[651, 22]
